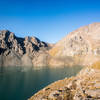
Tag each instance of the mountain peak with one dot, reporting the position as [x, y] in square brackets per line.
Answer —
[81, 42]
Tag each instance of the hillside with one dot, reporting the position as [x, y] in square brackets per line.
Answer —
[15, 51]
[84, 86]
[80, 47]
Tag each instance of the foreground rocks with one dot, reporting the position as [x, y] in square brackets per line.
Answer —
[85, 86]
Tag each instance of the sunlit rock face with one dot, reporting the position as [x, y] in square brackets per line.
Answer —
[83, 42]
[15, 51]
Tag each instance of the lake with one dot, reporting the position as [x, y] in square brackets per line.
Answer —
[17, 83]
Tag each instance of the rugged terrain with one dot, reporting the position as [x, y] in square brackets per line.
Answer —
[80, 47]
[84, 86]
[28, 51]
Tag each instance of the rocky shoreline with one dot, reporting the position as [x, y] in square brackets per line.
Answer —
[84, 86]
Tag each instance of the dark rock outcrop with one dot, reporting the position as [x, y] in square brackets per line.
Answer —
[15, 51]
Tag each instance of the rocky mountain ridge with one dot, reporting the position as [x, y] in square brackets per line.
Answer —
[15, 51]
[85, 40]
[82, 44]
[77, 48]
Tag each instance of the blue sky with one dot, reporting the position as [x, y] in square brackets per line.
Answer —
[49, 20]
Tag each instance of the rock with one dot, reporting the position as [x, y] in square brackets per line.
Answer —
[93, 93]
[84, 86]
[40, 59]
[1, 61]
[53, 94]
[26, 60]
[80, 47]
[15, 51]
[82, 44]
[12, 59]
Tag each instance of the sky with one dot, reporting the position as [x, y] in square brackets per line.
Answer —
[49, 20]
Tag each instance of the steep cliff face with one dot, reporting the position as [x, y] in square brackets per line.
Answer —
[83, 42]
[78, 47]
[16, 51]
[84, 86]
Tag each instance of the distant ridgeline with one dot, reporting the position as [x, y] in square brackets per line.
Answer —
[80, 47]
[15, 51]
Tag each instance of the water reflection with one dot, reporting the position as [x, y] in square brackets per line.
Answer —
[19, 84]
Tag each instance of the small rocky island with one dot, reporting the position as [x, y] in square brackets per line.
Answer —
[80, 47]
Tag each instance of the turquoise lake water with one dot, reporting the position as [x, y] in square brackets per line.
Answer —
[18, 83]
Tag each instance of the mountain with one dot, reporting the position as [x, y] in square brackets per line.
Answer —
[80, 47]
[15, 51]
[84, 86]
